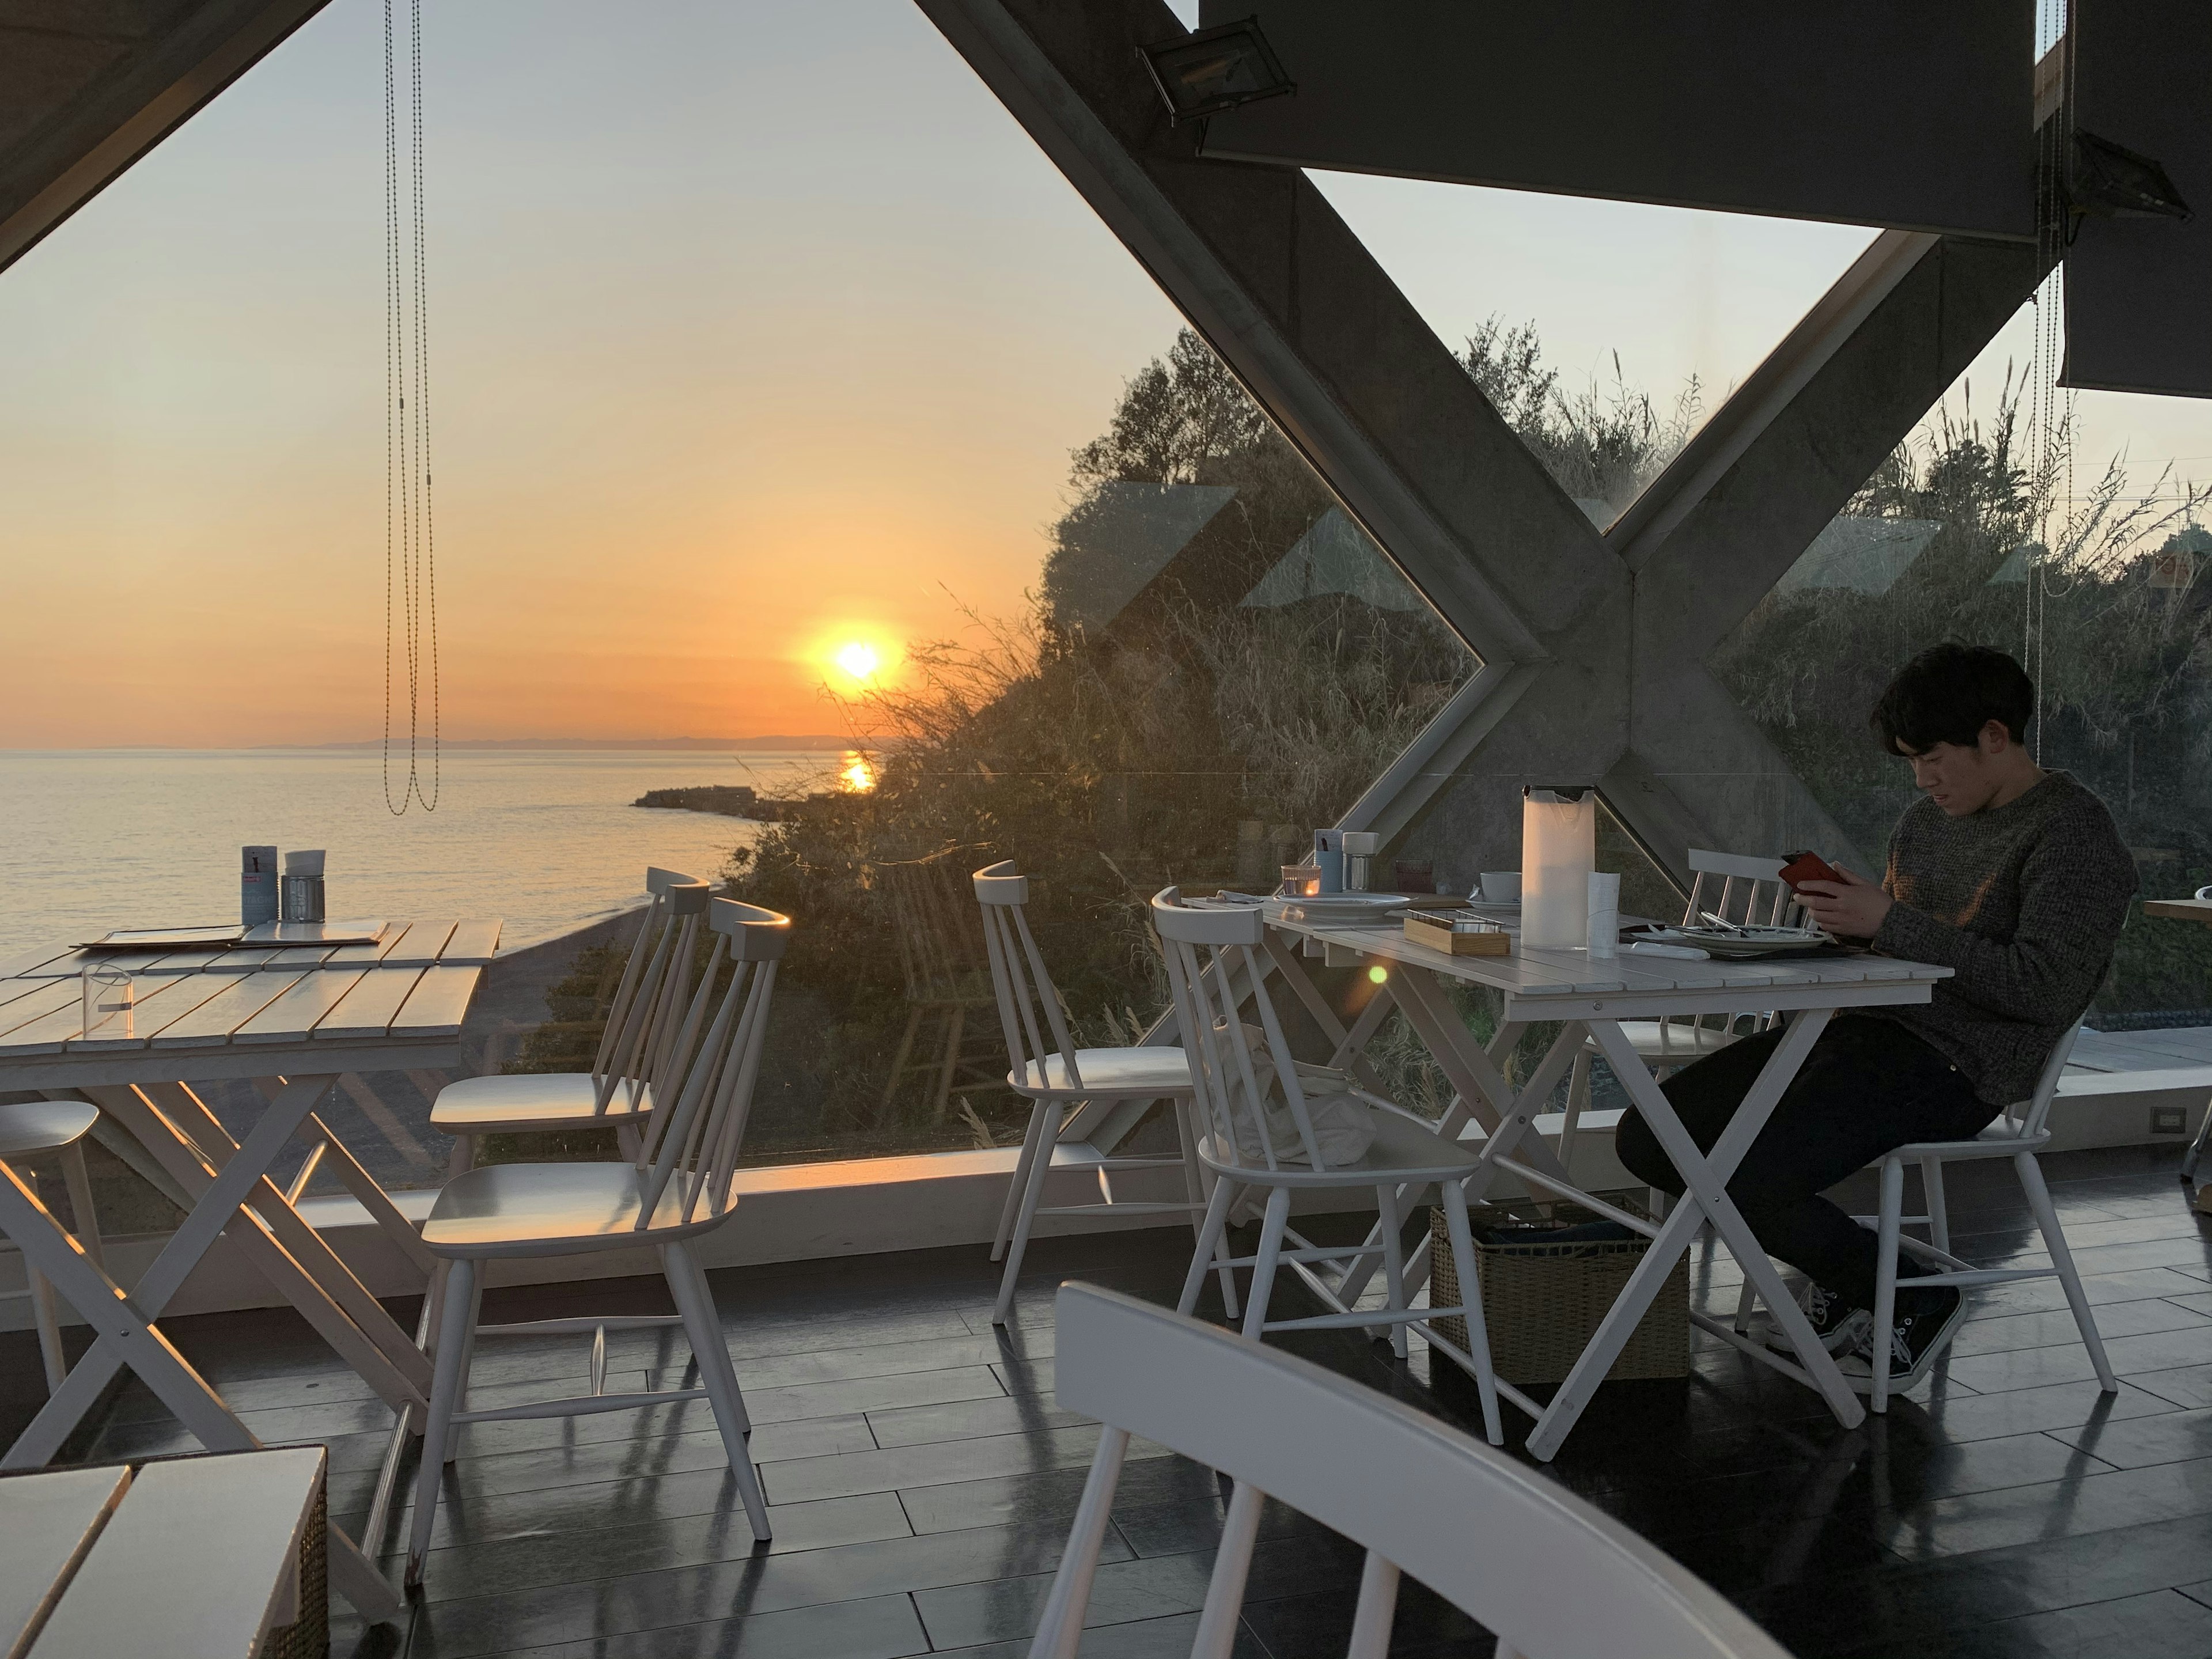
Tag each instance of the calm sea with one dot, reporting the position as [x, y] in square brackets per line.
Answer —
[91, 840]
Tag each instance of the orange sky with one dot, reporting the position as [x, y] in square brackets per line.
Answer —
[757, 328]
[711, 397]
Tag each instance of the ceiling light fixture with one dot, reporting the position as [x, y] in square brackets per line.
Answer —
[2112, 182]
[1214, 69]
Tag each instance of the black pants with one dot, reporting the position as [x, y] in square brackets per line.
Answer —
[1868, 1085]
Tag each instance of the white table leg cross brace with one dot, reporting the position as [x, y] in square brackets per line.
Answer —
[128, 1336]
[1705, 1177]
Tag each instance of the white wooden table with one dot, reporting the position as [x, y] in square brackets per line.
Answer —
[1591, 997]
[189, 1558]
[294, 1020]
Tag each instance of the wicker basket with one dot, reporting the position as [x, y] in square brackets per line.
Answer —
[1542, 1302]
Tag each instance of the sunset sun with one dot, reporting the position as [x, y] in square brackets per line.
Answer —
[859, 659]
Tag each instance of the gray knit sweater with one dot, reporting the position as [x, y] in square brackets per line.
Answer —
[2026, 901]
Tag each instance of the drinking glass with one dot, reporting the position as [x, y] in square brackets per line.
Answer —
[107, 1005]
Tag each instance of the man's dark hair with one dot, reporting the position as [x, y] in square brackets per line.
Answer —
[1947, 694]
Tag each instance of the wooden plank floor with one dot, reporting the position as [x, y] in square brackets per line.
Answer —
[923, 1478]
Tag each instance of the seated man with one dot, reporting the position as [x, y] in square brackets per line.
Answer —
[2014, 878]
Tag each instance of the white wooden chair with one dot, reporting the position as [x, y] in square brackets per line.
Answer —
[648, 1002]
[1059, 1079]
[32, 1129]
[1748, 890]
[1212, 956]
[676, 1190]
[1553, 1576]
[2019, 1132]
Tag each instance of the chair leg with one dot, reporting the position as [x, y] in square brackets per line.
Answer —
[446, 1385]
[45, 1315]
[1394, 1260]
[1033, 1190]
[1209, 1242]
[2054, 1240]
[898, 1063]
[1885, 1283]
[1019, 1185]
[79, 1185]
[1470, 1296]
[716, 1375]
[458, 1162]
[1263, 1270]
[48, 1320]
[941, 1101]
[1578, 1094]
[1931, 1193]
[1194, 1189]
[742, 1417]
[2189, 1159]
[1747, 1304]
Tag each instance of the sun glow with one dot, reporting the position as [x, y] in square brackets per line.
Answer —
[859, 659]
[858, 777]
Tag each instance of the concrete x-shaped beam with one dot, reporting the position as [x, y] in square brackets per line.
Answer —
[1592, 646]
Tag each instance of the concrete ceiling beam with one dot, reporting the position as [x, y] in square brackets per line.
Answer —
[95, 86]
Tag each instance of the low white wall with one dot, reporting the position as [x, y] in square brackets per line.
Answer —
[866, 1206]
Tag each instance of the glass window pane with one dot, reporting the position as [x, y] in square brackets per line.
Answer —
[2083, 555]
[1604, 332]
[851, 462]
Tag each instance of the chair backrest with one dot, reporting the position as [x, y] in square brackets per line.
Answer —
[1511, 1548]
[941, 949]
[655, 987]
[692, 1139]
[1233, 1096]
[1749, 891]
[2025, 1118]
[1030, 1010]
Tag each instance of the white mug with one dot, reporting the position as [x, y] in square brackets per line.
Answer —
[1500, 887]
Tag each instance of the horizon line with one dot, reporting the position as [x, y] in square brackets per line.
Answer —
[793, 742]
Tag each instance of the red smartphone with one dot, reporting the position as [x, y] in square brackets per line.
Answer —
[1798, 867]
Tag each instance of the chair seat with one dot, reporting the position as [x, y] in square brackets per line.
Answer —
[1663, 1040]
[550, 1209]
[1126, 1073]
[1402, 1150]
[520, 1101]
[43, 1126]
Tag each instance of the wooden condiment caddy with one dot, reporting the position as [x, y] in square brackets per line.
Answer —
[1458, 935]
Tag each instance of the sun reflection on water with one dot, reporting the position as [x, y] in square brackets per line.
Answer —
[857, 776]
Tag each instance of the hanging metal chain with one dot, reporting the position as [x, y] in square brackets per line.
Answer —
[410, 562]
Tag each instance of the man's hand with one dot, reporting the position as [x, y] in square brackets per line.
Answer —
[1850, 908]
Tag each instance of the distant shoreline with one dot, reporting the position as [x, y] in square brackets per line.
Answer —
[779, 743]
[788, 742]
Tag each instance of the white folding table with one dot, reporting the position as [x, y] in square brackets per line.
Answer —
[294, 1020]
[1592, 997]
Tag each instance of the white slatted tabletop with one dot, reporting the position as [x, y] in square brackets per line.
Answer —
[393, 1006]
[1540, 985]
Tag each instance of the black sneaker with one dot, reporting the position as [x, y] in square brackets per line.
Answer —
[1918, 1338]
[1838, 1324]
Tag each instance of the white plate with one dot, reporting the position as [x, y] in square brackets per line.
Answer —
[1336, 907]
